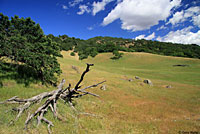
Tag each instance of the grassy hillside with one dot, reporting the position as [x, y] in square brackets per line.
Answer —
[125, 107]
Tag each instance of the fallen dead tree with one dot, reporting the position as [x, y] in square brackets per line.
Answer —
[65, 94]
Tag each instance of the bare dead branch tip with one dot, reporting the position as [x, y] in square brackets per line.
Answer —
[52, 97]
[82, 76]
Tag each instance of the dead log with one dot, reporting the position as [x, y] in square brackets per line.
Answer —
[66, 94]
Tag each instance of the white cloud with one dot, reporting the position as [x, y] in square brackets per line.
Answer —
[83, 9]
[184, 36]
[196, 20]
[177, 18]
[140, 37]
[175, 3]
[159, 38]
[193, 9]
[192, 12]
[99, 6]
[64, 7]
[140, 14]
[74, 2]
[150, 37]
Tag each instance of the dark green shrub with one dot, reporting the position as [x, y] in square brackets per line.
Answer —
[72, 54]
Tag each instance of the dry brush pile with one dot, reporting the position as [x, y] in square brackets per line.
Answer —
[65, 94]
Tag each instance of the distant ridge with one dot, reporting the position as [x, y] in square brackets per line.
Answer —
[99, 44]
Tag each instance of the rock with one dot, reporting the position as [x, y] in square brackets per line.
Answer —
[75, 68]
[168, 86]
[130, 79]
[148, 82]
[136, 77]
[187, 118]
[141, 84]
[103, 87]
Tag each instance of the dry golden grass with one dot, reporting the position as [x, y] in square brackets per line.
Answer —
[125, 107]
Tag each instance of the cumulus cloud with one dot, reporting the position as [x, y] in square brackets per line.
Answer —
[193, 10]
[140, 14]
[74, 3]
[150, 37]
[183, 36]
[196, 20]
[140, 37]
[99, 6]
[177, 18]
[193, 13]
[83, 9]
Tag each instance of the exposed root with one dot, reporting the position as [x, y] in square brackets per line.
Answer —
[52, 97]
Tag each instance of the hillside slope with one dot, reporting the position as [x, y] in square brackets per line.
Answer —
[125, 107]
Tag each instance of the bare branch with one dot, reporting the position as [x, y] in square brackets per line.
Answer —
[49, 124]
[82, 76]
[52, 97]
[50, 101]
[90, 93]
[95, 85]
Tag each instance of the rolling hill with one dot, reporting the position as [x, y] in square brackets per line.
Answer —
[125, 107]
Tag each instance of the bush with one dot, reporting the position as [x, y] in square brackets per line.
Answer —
[117, 55]
[83, 56]
[72, 54]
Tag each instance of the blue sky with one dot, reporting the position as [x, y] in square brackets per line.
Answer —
[163, 20]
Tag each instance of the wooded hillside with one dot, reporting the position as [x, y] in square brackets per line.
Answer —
[93, 46]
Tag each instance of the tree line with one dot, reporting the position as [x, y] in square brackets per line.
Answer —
[93, 46]
[167, 48]
[24, 43]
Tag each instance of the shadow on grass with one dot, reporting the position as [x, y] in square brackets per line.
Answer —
[20, 73]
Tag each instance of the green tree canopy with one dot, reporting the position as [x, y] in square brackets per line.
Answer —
[23, 41]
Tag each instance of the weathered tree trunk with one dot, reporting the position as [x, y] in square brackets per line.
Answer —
[52, 97]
